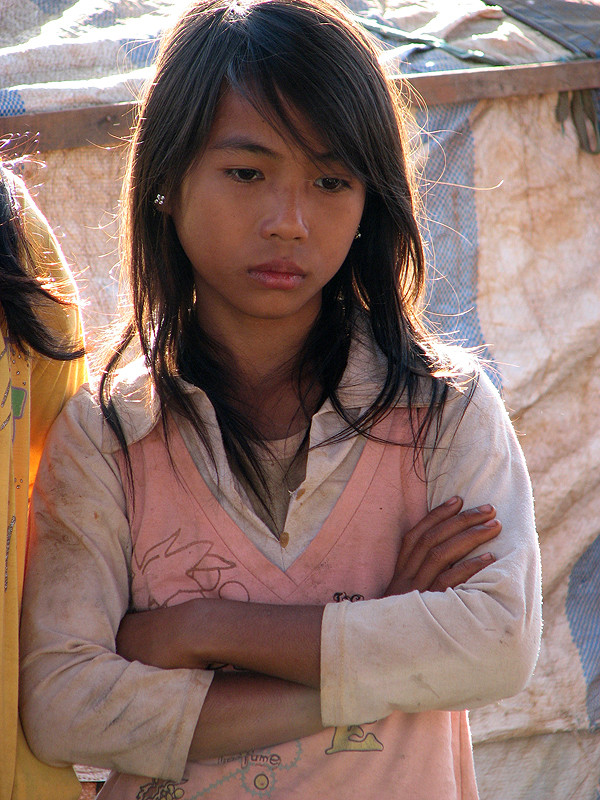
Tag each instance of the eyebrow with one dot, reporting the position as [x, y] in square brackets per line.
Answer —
[243, 143]
[251, 146]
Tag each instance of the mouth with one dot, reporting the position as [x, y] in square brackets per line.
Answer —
[278, 274]
[280, 266]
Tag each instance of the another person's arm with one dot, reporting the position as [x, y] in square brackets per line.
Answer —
[41, 387]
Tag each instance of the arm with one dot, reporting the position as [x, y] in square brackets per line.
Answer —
[470, 645]
[80, 701]
[267, 711]
[284, 641]
[488, 627]
[467, 646]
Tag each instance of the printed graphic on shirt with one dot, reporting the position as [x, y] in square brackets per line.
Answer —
[256, 773]
[339, 597]
[9, 532]
[161, 790]
[18, 398]
[5, 410]
[353, 739]
[188, 563]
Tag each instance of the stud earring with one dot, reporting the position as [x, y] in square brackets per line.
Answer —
[159, 200]
[358, 234]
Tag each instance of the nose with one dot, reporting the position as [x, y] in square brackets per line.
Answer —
[285, 217]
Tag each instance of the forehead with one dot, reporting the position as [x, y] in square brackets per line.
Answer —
[238, 125]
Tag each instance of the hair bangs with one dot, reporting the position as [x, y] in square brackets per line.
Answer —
[280, 71]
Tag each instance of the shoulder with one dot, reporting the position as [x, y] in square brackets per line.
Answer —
[473, 425]
[472, 396]
[467, 382]
[134, 402]
[468, 409]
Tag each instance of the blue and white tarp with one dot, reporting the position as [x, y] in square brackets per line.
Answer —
[57, 54]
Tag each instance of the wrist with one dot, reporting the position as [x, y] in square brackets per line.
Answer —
[206, 632]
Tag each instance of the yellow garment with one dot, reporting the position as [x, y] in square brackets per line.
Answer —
[33, 389]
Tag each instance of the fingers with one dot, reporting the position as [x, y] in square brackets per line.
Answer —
[430, 551]
[460, 573]
[439, 526]
[435, 517]
[440, 564]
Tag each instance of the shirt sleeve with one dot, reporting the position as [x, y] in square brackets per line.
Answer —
[80, 701]
[464, 647]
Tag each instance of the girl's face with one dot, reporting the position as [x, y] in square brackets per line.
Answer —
[264, 227]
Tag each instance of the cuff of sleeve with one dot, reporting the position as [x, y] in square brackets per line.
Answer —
[355, 669]
[175, 761]
[333, 653]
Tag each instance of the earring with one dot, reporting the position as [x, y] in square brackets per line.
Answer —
[159, 200]
[358, 234]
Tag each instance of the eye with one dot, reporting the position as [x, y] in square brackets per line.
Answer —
[244, 174]
[330, 184]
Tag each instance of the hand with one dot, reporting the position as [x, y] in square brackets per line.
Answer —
[430, 551]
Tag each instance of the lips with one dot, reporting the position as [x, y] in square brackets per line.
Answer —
[279, 265]
[278, 274]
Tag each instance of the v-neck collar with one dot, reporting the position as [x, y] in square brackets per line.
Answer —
[280, 582]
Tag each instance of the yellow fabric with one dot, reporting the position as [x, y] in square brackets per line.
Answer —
[33, 390]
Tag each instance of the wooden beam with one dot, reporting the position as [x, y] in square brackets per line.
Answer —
[459, 86]
[109, 125]
[61, 130]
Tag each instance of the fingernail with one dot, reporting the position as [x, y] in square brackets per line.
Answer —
[452, 501]
[487, 557]
[485, 509]
[491, 523]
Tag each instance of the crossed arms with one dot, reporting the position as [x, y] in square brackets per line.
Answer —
[82, 702]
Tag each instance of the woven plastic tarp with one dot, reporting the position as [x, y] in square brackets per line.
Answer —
[57, 54]
[573, 23]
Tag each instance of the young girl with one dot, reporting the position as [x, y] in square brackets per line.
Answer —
[256, 485]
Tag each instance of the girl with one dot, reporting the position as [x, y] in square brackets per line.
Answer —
[41, 366]
[256, 485]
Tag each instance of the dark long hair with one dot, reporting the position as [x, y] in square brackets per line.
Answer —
[23, 294]
[307, 55]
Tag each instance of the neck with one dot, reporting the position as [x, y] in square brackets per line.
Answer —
[264, 356]
[261, 348]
